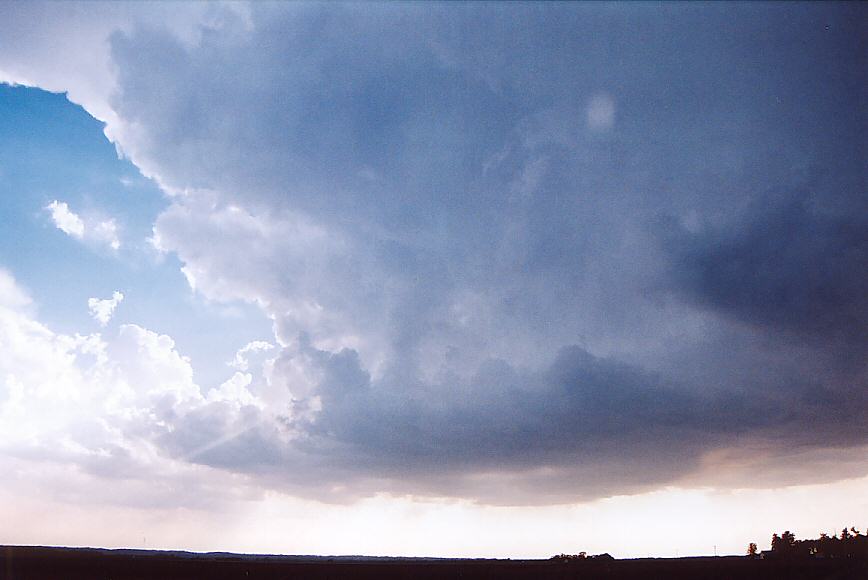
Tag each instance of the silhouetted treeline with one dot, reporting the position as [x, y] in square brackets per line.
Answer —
[582, 556]
[849, 544]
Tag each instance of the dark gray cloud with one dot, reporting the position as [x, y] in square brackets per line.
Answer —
[603, 424]
[583, 427]
[789, 264]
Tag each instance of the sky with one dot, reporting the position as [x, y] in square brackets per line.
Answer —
[432, 279]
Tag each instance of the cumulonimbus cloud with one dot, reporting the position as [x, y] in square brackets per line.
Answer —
[500, 280]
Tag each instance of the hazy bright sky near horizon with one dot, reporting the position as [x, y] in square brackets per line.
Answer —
[432, 279]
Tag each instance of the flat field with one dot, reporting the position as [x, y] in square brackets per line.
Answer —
[41, 563]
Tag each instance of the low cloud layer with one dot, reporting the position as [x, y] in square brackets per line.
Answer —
[518, 254]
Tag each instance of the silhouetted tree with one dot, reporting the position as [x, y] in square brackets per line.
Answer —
[751, 549]
[849, 544]
[580, 557]
[784, 544]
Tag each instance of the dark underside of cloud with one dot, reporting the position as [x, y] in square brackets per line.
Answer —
[583, 427]
[796, 268]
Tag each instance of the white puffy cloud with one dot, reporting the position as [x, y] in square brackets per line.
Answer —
[78, 411]
[102, 231]
[66, 221]
[240, 361]
[235, 391]
[151, 366]
[102, 310]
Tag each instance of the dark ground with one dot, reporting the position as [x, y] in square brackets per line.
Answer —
[36, 563]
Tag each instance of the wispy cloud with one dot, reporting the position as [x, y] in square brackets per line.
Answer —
[65, 219]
